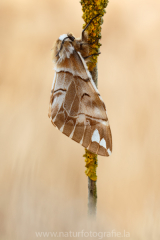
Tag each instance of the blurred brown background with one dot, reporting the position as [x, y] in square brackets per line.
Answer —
[42, 182]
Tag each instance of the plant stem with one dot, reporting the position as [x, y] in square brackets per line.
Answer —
[91, 8]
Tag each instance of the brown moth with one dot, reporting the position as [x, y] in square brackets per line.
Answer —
[76, 107]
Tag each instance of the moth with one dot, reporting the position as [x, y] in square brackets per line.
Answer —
[76, 107]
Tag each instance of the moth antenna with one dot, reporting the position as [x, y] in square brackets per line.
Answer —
[61, 45]
[94, 54]
[88, 25]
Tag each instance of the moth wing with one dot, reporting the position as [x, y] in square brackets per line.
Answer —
[92, 114]
[77, 109]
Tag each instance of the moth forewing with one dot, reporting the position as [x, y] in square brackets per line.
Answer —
[76, 107]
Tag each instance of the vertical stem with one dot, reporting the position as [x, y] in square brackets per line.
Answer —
[91, 165]
[92, 197]
[92, 185]
[91, 8]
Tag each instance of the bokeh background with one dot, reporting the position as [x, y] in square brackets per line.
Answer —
[42, 182]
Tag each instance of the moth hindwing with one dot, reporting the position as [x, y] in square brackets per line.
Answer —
[76, 107]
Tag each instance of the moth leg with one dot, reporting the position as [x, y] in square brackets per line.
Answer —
[94, 54]
[88, 26]
[87, 43]
[95, 41]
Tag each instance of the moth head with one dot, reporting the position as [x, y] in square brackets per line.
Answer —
[67, 37]
[63, 47]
